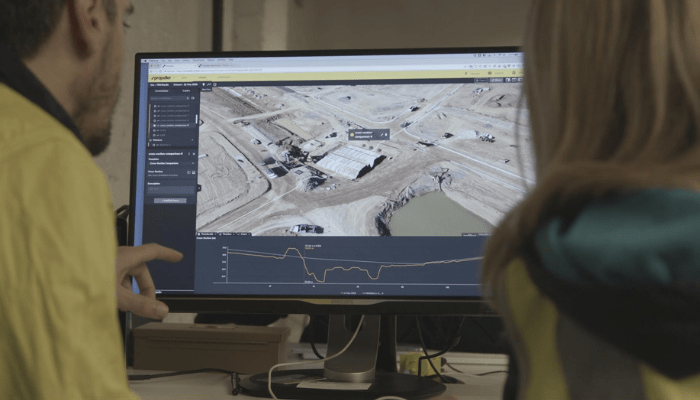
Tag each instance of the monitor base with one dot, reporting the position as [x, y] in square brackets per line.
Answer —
[284, 385]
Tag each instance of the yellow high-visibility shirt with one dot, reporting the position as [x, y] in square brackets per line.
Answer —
[560, 359]
[59, 331]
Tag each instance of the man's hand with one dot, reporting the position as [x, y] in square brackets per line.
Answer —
[131, 261]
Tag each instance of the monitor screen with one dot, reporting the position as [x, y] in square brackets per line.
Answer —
[318, 181]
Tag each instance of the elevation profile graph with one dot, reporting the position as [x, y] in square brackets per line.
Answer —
[294, 257]
[338, 265]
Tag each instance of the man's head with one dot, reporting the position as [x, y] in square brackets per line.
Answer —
[76, 49]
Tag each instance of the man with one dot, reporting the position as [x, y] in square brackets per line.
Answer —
[60, 64]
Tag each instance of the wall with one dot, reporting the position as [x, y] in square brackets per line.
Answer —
[172, 25]
[322, 24]
[255, 24]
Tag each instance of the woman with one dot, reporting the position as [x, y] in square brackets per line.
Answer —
[596, 273]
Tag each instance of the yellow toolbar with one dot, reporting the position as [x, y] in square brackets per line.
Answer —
[338, 76]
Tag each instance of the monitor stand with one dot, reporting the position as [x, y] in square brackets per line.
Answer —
[369, 362]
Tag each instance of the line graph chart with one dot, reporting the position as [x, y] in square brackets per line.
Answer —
[339, 265]
[338, 268]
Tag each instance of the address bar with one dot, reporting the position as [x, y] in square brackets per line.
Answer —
[370, 68]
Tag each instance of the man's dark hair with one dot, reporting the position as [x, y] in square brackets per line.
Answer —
[26, 24]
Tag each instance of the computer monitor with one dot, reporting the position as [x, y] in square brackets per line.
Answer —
[333, 182]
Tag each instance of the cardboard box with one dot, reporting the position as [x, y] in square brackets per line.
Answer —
[180, 347]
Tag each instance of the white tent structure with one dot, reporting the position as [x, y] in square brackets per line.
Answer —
[349, 160]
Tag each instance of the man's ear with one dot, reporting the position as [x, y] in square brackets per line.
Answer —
[88, 25]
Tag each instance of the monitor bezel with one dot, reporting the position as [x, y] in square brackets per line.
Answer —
[476, 305]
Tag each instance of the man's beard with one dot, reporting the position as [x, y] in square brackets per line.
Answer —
[95, 106]
[98, 141]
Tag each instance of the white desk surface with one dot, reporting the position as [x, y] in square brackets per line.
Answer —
[217, 386]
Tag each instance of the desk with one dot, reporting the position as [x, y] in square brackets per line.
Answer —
[217, 386]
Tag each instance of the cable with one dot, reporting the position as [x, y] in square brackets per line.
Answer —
[481, 374]
[475, 321]
[352, 339]
[167, 374]
[312, 326]
[489, 373]
[235, 380]
[456, 337]
[453, 368]
[425, 351]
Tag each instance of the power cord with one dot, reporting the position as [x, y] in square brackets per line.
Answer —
[352, 339]
[481, 374]
[454, 341]
[491, 373]
[312, 327]
[235, 379]
[450, 366]
[447, 364]
[486, 332]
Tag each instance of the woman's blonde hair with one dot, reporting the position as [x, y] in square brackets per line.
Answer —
[613, 90]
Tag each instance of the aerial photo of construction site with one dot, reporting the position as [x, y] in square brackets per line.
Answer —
[339, 160]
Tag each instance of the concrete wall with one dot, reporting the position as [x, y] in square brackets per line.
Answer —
[322, 24]
[182, 25]
[163, 25]
[256, 24]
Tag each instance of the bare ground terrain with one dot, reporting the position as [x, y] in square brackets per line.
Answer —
[259, 148]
